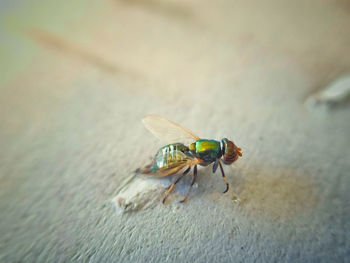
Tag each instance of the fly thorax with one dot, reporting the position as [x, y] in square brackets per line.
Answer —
[208, 150]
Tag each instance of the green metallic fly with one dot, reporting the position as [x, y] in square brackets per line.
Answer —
[185, 150]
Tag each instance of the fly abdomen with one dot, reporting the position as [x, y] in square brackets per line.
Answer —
[171, 154]
[168, 160]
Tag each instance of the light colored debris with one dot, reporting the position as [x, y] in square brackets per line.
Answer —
[138, 192]
[337, 92]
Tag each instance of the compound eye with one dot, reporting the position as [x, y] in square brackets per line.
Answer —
[230, 151]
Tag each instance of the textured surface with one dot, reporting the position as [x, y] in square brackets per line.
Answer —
[76, 79]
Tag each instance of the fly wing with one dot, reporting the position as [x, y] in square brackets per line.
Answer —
[170, 170]
[175, 167]
[168, 131]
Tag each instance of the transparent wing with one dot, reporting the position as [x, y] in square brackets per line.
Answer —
[174, 168]
[168, 131]
[170, 170]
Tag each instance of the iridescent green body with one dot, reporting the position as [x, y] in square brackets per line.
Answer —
[171, 156]
[207, 150]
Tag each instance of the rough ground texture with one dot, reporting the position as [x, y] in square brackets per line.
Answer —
[78, 76]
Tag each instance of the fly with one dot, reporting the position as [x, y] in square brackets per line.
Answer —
[185, 151]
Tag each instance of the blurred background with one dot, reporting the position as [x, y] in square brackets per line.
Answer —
[78, 76]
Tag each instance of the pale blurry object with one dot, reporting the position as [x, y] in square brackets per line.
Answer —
[137, 193]
[336, 93]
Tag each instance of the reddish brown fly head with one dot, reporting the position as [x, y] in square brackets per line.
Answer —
[230, 152]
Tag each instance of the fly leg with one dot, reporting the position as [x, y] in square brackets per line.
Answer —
[173, 185]
[193, 181]
[237, 199]
[223, 176]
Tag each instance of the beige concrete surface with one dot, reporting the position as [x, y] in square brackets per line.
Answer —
[78, 76]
